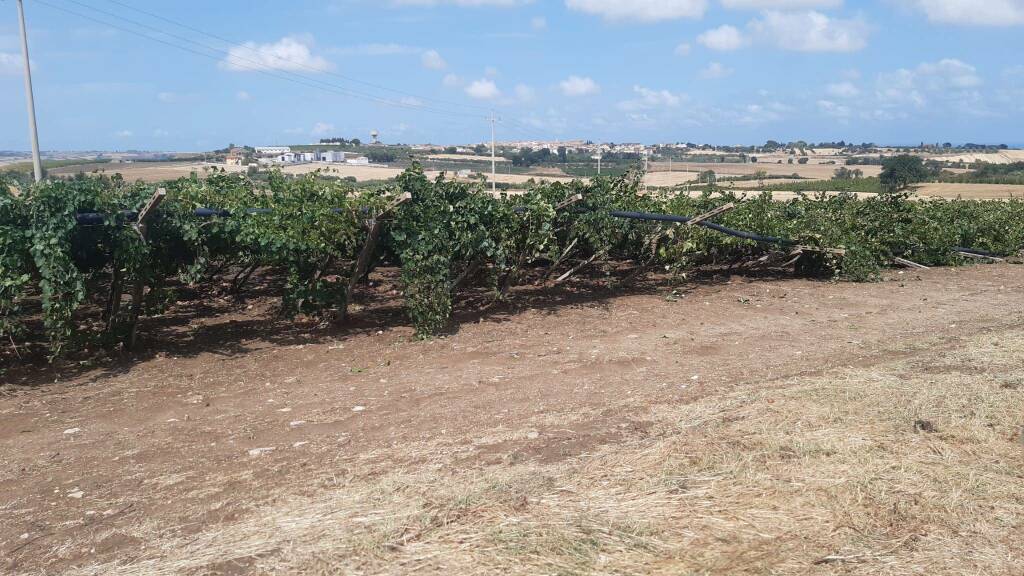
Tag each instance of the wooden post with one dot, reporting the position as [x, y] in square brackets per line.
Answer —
[139, 290]
[569, 201]
[711, 214]
[979, 256]
[909, 264]
[365, 257]
[568, 274]
[835, 251]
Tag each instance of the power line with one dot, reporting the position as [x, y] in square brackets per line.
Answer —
[328, 72]
[290, 77]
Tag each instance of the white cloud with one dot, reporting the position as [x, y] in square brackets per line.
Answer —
[780, 4]
[723, 38]
[490, 71]
[683, 49]
[811, 31]
[578, 86]
[524, 93]
[947, 79]
[972, 12]
[322, 129]
[483, 89]
[715, 71]
[432, 60]
[10, 64]
[538, 23]
[648, 99]
[243, 96]
[1014, 74]
[124, 134]
[411, 101]
[467, 3]
[762, 113]
[641, 10]
[833, 109]
[451, 81]
[843, 90]
[290, 54]
[948, 74]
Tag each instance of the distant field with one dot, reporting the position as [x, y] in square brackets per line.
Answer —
[157, 172]
[810, 170]
[465, 158]
[146, 171]
[1003, 157]
[971, 191]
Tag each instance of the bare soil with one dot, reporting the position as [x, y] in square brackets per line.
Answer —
[728, 425]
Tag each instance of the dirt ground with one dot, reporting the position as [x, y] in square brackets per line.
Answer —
[723, 425]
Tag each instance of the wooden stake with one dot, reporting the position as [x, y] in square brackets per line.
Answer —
[566, 276]
[569, 201]
[980, 256]
[909, 264]
[148, 210]
[709, 215]
[362, 265]
[836, 251]
[139, 290]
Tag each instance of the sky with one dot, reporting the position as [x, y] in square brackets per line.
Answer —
[197, 75]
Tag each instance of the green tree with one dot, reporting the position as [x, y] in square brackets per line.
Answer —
[899, 172]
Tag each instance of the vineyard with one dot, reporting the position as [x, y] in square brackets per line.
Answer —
[82, 260]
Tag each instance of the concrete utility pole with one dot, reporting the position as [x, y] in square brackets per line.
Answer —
[494, 158]
[37, 164]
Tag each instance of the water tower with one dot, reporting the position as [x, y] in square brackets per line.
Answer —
[374, 135]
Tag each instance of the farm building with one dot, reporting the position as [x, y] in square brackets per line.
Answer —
[272, 150]
[332, 156]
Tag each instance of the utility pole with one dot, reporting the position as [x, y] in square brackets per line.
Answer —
[645, 170]
[37, 164]
[494, 158]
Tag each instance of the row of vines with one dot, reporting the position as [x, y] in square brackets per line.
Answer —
[447, 237]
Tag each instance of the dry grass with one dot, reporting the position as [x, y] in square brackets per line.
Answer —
[910, 466]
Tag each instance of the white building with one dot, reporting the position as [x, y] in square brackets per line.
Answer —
[332, 156]
[272, 150]
[361, 160]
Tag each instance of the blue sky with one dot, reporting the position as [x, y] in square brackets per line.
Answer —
[718, 71]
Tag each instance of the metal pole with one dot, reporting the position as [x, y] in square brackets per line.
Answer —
[37, 164]
[494, 161]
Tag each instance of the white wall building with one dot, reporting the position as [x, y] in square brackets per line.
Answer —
[332, 156]
[272, 150]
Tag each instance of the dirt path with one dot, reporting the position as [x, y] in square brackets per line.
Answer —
[137, 469]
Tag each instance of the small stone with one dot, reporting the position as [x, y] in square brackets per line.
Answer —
[299, 444]
[76, 494]
[296, 423]
[358, 408]
[71, 431]
[260, 451]
[533, 435]
[24, 536]
[285, 410]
